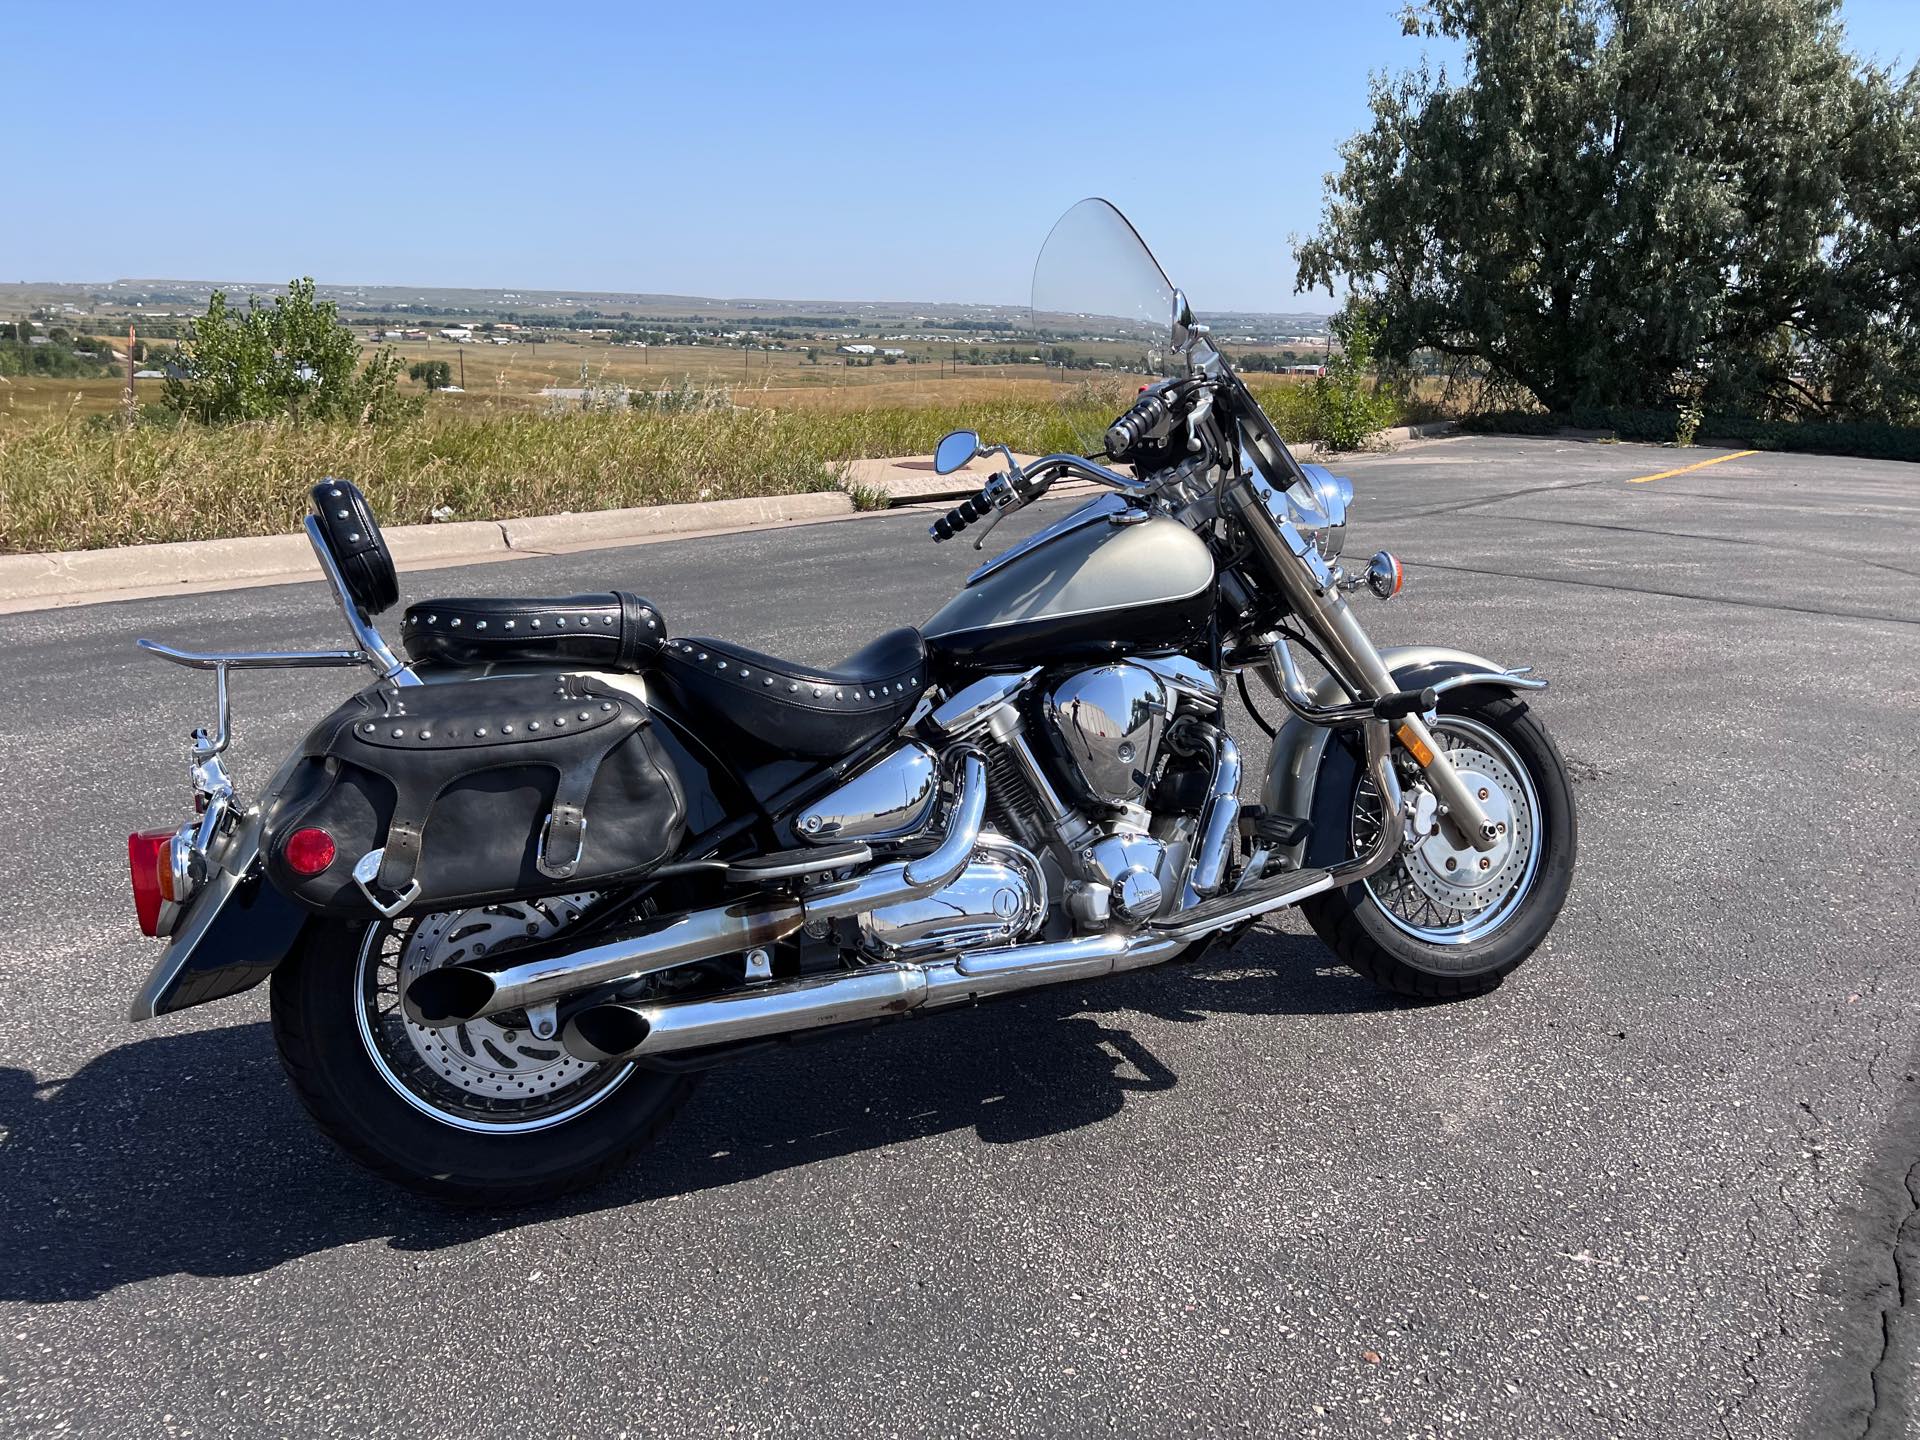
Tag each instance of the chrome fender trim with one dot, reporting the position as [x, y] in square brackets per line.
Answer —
[1293, 765]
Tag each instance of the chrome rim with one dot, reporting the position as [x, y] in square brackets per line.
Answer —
[490, 1075]
[1443, 894]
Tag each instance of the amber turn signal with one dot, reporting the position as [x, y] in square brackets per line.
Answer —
[1384, 575]
[1416, 747]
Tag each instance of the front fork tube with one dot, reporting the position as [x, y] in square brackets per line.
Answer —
[1367, 676]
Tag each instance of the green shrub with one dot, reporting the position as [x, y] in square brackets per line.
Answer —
[1687, 424]
[292, 359]
[1350, 411]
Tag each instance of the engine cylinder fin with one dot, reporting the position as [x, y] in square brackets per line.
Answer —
[1011, 807]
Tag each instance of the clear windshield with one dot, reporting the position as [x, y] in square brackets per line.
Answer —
[1102, 315]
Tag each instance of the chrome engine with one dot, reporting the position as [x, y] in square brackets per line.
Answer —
[999, 899]
[1112, 722]
[1097, 854]
[1109, 721]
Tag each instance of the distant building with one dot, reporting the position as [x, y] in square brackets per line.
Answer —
[857, 349]
[889, 352]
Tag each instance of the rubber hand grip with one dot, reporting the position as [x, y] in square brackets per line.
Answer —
[1148, 411]
[958, 518]
[1404, 703]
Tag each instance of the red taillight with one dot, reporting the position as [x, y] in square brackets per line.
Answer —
[152, 871]
[308, 851]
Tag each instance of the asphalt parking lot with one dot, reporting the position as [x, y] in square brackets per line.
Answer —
[1654, 1186]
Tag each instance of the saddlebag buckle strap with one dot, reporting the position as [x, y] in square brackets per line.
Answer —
[566, 829]
[366, 872]
[563, 834]
[400, 863]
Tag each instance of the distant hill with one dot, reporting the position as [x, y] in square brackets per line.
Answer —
[173, 299]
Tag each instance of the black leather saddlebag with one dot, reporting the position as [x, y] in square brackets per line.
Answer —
[474, 792]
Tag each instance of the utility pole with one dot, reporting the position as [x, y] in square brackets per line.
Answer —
[463, 369]
[132, 409]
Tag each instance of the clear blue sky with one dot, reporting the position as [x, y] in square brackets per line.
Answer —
[808, 151]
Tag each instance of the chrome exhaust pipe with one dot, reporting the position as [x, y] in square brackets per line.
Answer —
[1218, 820]
[457, 993]
[625, 1030]
[617, 1031]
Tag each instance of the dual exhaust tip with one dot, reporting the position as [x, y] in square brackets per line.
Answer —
[450, 995]
[454, 994]
[606, 1032]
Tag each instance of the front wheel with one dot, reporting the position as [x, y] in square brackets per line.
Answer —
[483, 1113]
[1442, 921]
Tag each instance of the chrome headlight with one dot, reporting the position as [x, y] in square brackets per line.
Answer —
[1320, 504]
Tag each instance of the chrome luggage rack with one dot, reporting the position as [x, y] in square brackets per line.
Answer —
[369, 650]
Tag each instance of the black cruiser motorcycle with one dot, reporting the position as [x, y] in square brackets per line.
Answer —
[517, 894]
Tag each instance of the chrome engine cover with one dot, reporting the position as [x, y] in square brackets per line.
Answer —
[999, 899]
[891, 797]
[1110, 720]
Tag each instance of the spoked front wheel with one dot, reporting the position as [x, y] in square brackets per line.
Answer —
[482, 1113]
[1443, 920]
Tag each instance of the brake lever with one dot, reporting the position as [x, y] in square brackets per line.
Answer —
[998, 516]
[1002, 492]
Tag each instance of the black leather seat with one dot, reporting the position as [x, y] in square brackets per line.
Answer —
[820, 712]
[613, 631]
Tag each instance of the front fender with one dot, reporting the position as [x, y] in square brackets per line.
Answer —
[1293, 767]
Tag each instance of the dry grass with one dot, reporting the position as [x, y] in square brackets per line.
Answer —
[69, 483]
[73, 481]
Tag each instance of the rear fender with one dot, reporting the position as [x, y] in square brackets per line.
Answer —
[1293, 767]
[238, 929]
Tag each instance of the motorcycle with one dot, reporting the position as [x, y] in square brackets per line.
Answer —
[518, 894]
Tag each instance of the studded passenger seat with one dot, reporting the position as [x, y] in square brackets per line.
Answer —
[614, 631]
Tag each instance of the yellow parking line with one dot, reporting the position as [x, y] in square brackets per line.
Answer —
[1697, 465]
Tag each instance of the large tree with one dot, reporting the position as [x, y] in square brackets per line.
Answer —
[1628, 202]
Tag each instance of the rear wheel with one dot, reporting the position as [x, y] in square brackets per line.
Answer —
[482, 1113]
[1441, 920]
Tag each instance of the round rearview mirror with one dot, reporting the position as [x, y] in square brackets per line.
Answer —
[955, 451]
[1182, 323]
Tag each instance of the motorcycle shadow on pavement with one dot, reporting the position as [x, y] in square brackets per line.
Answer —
[188, 1154]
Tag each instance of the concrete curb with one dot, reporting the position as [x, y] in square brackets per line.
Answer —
[1398, 435]
[912, 481]
[592, 529]
[87, 576]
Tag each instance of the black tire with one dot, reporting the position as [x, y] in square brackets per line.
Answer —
[316, 1029]
[1350, 920]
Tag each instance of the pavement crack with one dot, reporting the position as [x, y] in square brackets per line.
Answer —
[1905, 1252]
[1461, 506]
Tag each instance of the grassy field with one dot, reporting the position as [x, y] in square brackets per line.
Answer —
[511, 377]
[66, 483]
[70, 478]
